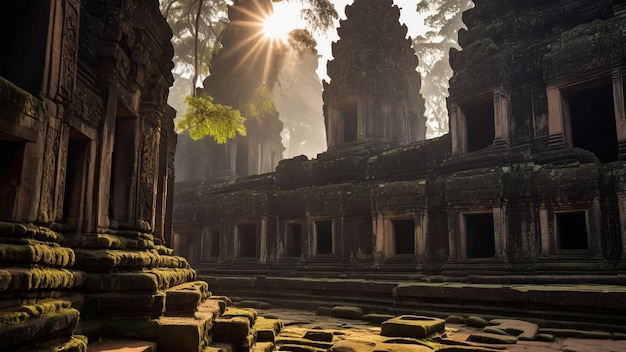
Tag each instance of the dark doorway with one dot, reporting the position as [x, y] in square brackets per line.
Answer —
[75, 175]
[404, 236]
[479, 234]
[592, 118]
[572, 230]
[324, 239]
[122, 168]
[247, 240]
[211, 248]
[480, 126]
[11, 159]
[350, 123]
[293, 240]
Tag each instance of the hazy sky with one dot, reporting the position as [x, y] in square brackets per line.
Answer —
[289, 14]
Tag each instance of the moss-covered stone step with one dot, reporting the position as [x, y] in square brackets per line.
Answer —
[124, 304]
[267, 329]
[150, 280]
[75, 343]
[184, 299]
[107, 241]
[102, 260]
[185, 334]
[247, 313]
[234, 329]
[52, 322]
[36, 278]
[21, 314]
[50, 254]
[15, 230]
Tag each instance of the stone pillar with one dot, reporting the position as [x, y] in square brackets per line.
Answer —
[620, 114]
[501, 114]
[150, 132]
[555, 117]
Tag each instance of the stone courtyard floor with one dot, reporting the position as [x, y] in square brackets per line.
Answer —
[296, 322]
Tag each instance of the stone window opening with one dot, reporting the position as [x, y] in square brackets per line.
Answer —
[293, 240]
[12, 160]
[210, 245]
[591, 116]
[324, 237]
[571, 230]
[246, 240]
[403, 236]
[75, 175]
[479, 235]
[350, 119]
[479, 124]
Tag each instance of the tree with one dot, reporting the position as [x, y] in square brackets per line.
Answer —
[195, 47]
[444, 19]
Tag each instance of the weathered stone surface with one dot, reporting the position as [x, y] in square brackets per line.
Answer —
[124, 304]
[234, 329]
[456, 319]
[247, 313]
[353, 346]
[211, 307]
[149, 280]
[43, 254]
[319, 335]
[299, 348]
[262, 347]
[143, 329]
[412, 326]
[55, 323]
[98, 260]
[183, 334]
[325, 311]
[346, 312]
[522, 329]
[267, 329]
[185, 298]
[477, 322]
[284, 340]
[36, 278]
[492, 338]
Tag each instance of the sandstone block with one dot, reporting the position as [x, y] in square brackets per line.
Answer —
[183, 334]
[353, 346]
[319, 335]
[249, 314]
[119, 345]
[233, 329]
[323, 311]
[298, 341]
[412, 326]
[346, 312]
[376, 318]
[262, 347]
[492, 338]
[184, 299]
[477, 322]
[522, 329]
[42, 327]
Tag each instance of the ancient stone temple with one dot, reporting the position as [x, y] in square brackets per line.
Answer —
[86, 175]
[242, 73]
[526, 189]
[374, 90]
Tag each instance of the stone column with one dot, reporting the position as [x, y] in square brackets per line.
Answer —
[501, 113]
[620, 114]
[150, 134]
[555, 117]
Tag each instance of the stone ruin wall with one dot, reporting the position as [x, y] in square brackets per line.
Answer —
[87, 143]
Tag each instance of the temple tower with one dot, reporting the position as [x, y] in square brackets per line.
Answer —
[374, 90]
[244, 71]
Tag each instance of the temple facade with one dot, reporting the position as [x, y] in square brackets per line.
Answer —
[528, 183]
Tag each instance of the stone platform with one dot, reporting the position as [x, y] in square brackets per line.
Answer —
[595, 305]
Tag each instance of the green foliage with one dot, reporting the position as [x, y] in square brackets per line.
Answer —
[204, 118]
[301, 41]
[261, 103]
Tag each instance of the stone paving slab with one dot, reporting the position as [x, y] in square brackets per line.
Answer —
[297, 322]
